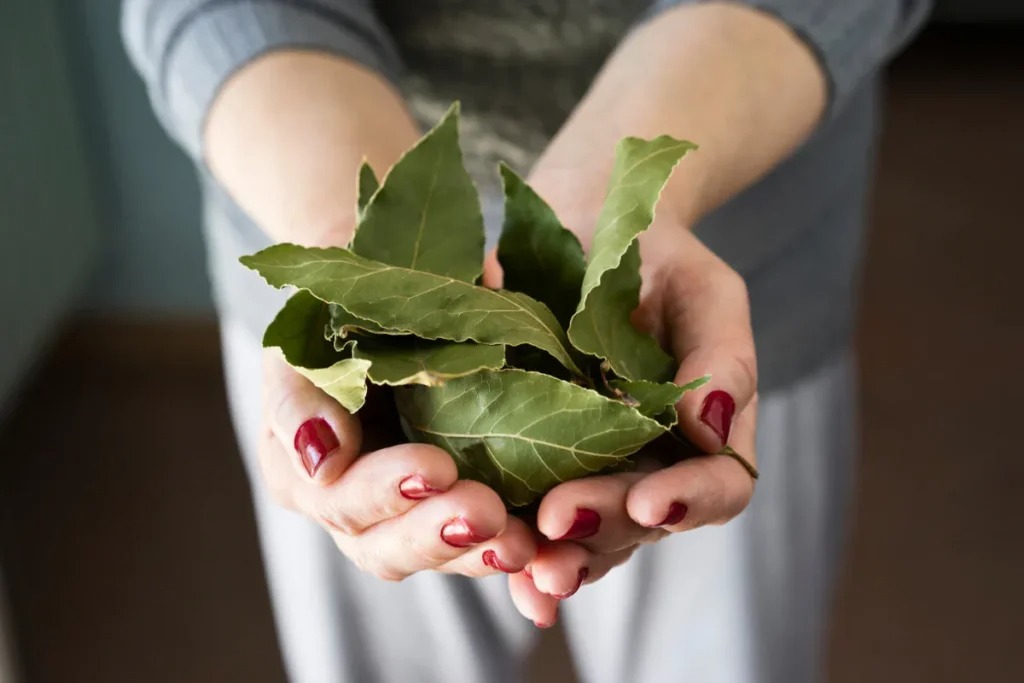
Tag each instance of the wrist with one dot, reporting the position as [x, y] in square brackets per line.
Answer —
[576, 188]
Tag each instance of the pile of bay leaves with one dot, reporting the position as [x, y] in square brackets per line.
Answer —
[540, 382]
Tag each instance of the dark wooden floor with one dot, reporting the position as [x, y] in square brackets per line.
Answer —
[130, 551]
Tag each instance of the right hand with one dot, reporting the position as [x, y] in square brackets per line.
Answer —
[393, 511]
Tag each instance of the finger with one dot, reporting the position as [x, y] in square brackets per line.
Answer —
[510, 552]
[493, 274]
[560, 568]
[381, 485]
[280, 477]
[592, 512]
[539, 608]
[603, 563]
[323, 437]
[431, 534]
[709, 489]
[708, 312]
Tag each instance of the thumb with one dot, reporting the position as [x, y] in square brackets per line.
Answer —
[709, 326]
[323, 436]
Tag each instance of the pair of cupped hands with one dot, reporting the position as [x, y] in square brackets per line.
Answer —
[401, 509]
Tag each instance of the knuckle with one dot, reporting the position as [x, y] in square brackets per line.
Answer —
[341, 520]
[433, 556]
[374, 564]
[277, 487]
[735, 286]
[717, 502]
[747, 363]
[281, 405]
[733, 491]
[391, 575]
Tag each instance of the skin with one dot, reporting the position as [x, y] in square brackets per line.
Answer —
[733, 79]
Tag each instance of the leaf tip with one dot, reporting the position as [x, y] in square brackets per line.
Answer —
[696, 383]
[454, 113]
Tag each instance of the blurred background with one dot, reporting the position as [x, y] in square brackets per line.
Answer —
[127, 547]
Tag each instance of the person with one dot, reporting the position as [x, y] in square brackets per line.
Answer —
[757, 238]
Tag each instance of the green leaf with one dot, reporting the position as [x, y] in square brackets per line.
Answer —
[656, 401]
[427, 305]
[406, 360]
[611, 284]
[523, 433]
[538, 255]
[341, 324]
[297, 331]
[367, 186]
[344, 381]
[426, 214]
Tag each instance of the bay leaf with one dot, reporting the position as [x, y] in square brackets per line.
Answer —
[538, 255]
[344, 381]
[656, 400]
[426, 214]
[297, 331]
[426, 305]
[522, 433]
[396, 361]
[341, 324]
[601, 325]
[368, 184]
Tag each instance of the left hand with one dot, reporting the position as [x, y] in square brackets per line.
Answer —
[697, 307]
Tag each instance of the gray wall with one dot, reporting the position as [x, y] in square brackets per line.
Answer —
[49, 227]
[152, 260]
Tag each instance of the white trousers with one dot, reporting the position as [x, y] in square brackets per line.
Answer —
[747, 602]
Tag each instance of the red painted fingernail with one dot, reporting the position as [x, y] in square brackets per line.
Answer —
[491, 560]
[585, 524]
[415, 487]
[676, 513]
[314, 441]
[459, 534]
[584, 573]
[717, 414]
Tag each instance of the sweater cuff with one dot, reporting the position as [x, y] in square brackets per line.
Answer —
[209, 46]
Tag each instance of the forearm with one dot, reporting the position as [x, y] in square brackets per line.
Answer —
[287, 133]
[734, 80]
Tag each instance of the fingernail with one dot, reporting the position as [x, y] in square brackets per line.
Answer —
[717, 413]
[491, 560]
[543, 624]
[584, 573]
[415, 487]
[585, 524]
[676, 513]
[459, 534]
[314, 441]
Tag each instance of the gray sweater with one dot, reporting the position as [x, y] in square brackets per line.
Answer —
[519, 67]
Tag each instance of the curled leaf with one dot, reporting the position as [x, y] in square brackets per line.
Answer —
[427, 305]
[655, 400]
[601, 325]
[297, 331]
